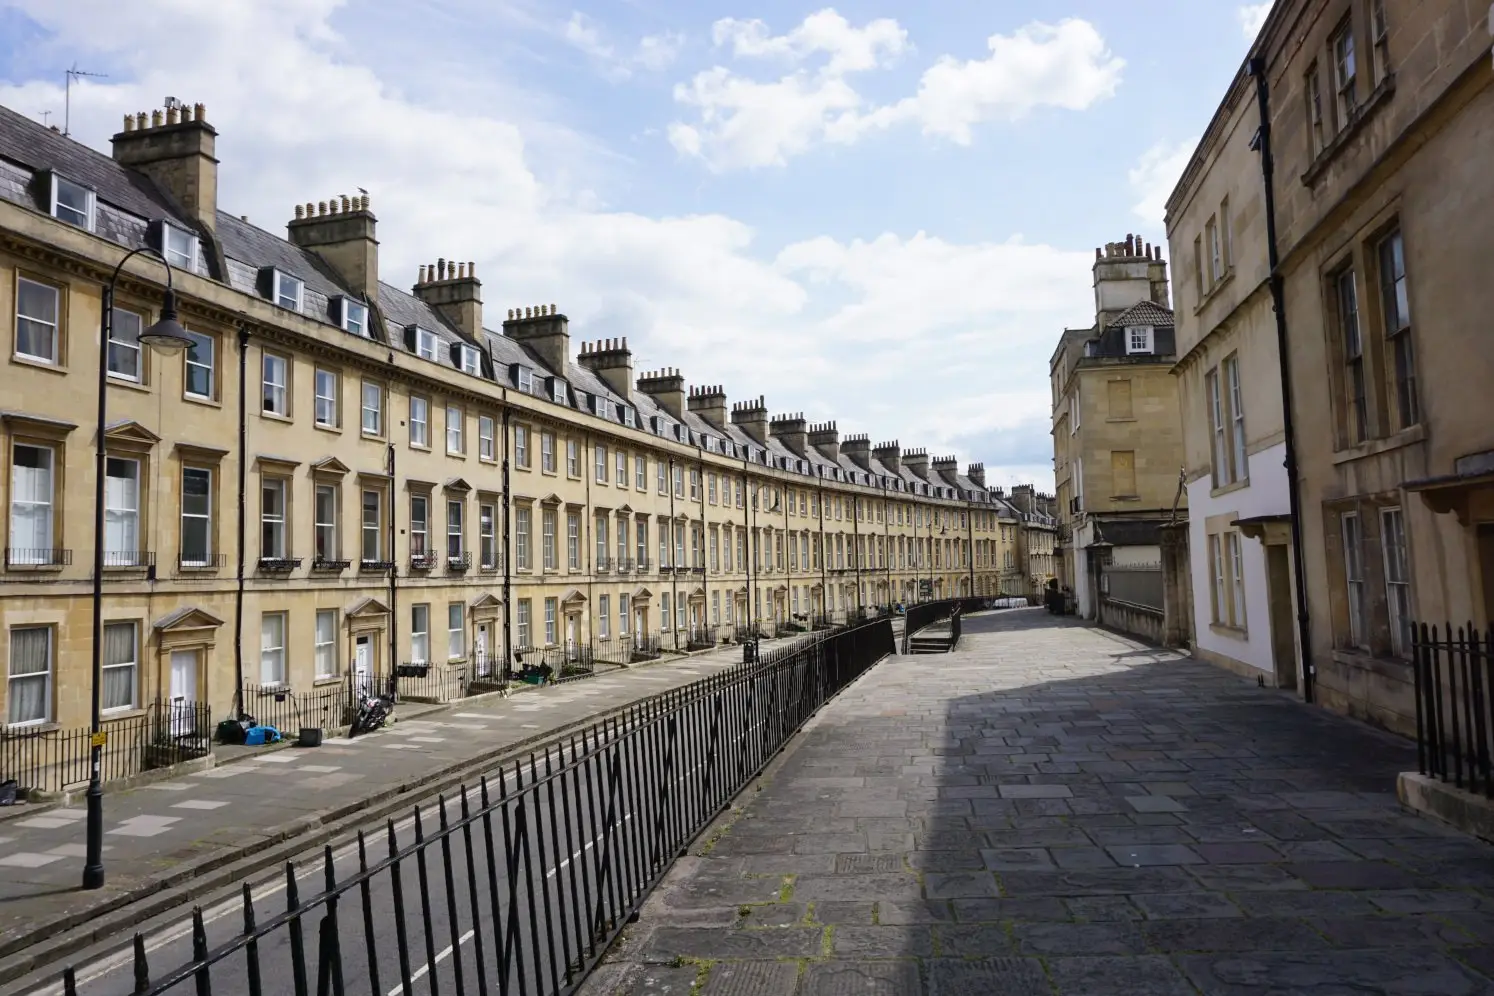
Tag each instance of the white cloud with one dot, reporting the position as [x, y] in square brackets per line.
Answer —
[654, 53]
[741, 122]
[1253, 17]
[916, 338]
[1153, 179]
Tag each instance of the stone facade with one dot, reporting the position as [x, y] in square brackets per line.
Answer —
[407, 472]
[1116, 438]
[1380, 115]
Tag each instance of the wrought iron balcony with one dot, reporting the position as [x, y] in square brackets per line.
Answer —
[376, 566]
[422, 561]
[458, 563]
[604, 565]
[202, 561]
[25, 556]
[137, 560]
[278, 565]
[326, 565]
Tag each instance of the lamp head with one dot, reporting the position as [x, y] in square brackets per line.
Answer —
[167, 335]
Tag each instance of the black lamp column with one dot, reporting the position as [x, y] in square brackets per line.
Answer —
[164, 336]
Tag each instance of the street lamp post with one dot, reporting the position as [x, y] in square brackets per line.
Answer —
[165, 336]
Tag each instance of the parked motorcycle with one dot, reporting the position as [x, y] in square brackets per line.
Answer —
[371, 715]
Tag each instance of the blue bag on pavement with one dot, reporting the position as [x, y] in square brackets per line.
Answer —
[258, 736]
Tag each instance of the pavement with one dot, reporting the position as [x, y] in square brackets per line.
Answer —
[215, 816]
[1053, 809]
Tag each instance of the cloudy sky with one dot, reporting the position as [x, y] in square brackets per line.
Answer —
[875, 212]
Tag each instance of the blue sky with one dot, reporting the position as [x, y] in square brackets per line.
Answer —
[877, 213]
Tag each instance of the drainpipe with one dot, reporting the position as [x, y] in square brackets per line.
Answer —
[970, 549]
[508, 647]
[856, 545]
[887, 542]
[748, 546]
[824, 558]
[705, 539]
[393, 572]
[1278, 303]
[238, 592]
[669, 545]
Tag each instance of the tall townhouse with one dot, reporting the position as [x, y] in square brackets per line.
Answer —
[1229, 394]
[1116, 441]
[1035, 537]
[340, 478]
[1380, 115]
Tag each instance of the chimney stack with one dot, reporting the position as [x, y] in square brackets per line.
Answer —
[825, 437]
[454, 290]
[752, 417]
[791, 431]
[342, 234]
[948, 467]
[612, 361]
[710, 404]
[667, 388]
[177, 151]
[889, 456]
[977, 474]
[918, 462]
[858, 448]
[542, 329]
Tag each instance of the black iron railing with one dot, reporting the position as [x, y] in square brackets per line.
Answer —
[522, 881]
[645, 648]
[325, 706]
[202, 561]
[603, 565]
[165, 732]
[701, 637]
[928, 613]
[25, 556]
[1455, 704]
[129, 559]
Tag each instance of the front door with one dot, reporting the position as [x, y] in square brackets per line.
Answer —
[640, 625]
[363, 665]
[572, 633]
[183, 691]
[484, 666]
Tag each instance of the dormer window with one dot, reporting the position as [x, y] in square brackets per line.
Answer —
[1138, 339]
[286, 290]
[524, 378]
[630, 418]
[179, 247]
[468, 359]
[72, 202]
[604, 407]
[423, 342]
[352, 316]
[557, 391]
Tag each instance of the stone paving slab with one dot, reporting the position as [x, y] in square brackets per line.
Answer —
[1053, 809]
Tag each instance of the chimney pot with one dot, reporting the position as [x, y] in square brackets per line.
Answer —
[200, 112]
[129, 123]
[299, 212]
[440, 268]
[140, 121]
[472, 269]
[171, 115]
[321, 207]
[155, 119]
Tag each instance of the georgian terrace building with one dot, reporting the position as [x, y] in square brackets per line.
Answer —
[340, 476]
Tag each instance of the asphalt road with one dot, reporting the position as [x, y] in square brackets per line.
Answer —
[520, 876]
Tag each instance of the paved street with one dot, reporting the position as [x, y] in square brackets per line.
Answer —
[150, 830]
[1054, 809]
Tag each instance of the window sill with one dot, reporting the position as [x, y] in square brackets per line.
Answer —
[327, 428]
[128, 384]
[327, 679]
[1381, 94]
[457, 454]
[1233, 632]
[1121, 420]
[1125, 498]
[1384, 444]
[25, 729]
[421, 447]
[1229, 488]
[197, 399]
[377, 437]
[29, 361]
[1390, 667]
[276, 417]
[1212, 292]
[35, 568]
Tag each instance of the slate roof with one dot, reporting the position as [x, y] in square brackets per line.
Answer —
[1145, 313]
[37, 147]
[252, 245]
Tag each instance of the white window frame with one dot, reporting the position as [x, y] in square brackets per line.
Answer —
[420, 633]
[273, 627]
[601, 455]
[324, 526]
[40, 325]
[122, 538]
[547, 452]
[324, 651]
[1139, 339]
[620, 468]
[1352, 538]
[273, 533]
[456, 528]
[425, 344]
[132, 666]
[640, 472]
[456, 631]
[181, 258]
[47, 677]
[289, 291]
[420, 421]
[326, 387]
[41, 515]
[1397, 578]
[456, 431]
[551, 607]
[521, 446]
[573, 541]
[206, 517]
[604, 616]
[525, 379]
[487, 535]
[1238, 617]
[274, 393]
[487, 432]
[1241, 468]
[471, 364]
[521, 621]
[55, 205]
[624, 613]
[1345, 73]
[371, 422]
[420, 525]
[193, 360]
[572, 459]
[371, 529]
[124, 344]
[523, 526]
[558, 392]
[355, 318]
[547, 538]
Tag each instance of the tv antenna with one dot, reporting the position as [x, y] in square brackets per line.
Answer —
[67, 108]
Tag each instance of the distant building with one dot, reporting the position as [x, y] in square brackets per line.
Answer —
[1117, 442]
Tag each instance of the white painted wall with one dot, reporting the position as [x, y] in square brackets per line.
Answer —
[1127, 556]
[1266, 495]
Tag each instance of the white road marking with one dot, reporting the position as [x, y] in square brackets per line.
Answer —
[423, 969]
